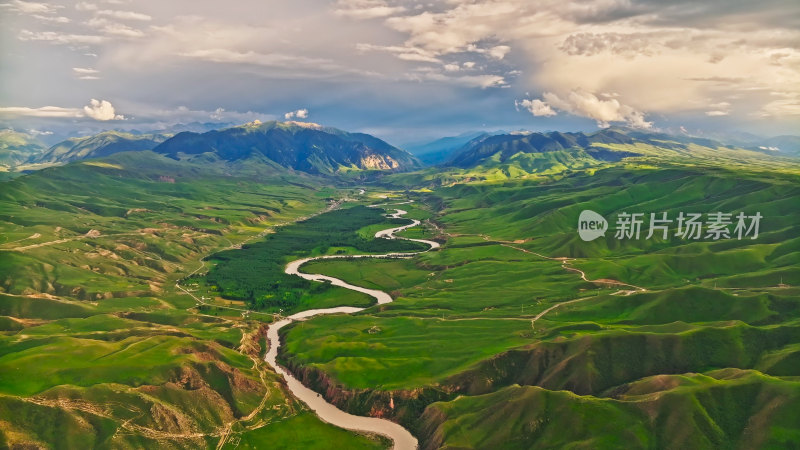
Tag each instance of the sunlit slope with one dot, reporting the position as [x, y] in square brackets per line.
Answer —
[97, 146]
[17, 147]
[461, 324]
[545, 215]
[140, 218]
[99, 349]
[553, 155]
[722, 409]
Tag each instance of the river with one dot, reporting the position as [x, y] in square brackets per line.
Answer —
[402, 439]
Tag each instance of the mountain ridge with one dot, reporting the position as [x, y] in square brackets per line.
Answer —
[302, 146]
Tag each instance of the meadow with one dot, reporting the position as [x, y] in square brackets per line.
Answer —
[97, 347]
[723, 314]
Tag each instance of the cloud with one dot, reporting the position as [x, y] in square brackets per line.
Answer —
[483, 81]
[401, 52]
[101, 110]
[499, 51]
[365, 9]
[217, 114]
[626, 44]
[183, 114]
[85, 6]
[788, 105]
[124, 15]
[585, 104]
[31, 7]
[115, 29]
[52, 19]
[536, 107]
[60, 38]
[300, 114]
[84, 70]
[605, 45]
[44, 111]
[85, 73]
[719, 109]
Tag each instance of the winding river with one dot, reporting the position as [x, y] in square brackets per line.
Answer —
[400, 437]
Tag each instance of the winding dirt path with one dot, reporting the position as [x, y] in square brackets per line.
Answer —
[402, 439]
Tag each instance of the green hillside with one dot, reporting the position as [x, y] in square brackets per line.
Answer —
[512, 332]
[464, 328]
[17, 147]
[97, 146]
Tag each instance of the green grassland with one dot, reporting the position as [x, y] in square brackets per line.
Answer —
[699, 348]
[255, 273]
[99, 350]
[460, 328]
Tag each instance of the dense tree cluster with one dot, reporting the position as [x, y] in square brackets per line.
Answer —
[255, 273]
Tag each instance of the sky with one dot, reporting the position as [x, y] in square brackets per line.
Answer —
[406, 71]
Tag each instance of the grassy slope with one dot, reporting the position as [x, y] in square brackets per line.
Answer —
[96, 347]
[686, 322]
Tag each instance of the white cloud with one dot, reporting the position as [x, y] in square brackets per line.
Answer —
[52, 19]
[31, 7]
[85, 73]
[84, 70]
[124, 15]
[60, 38]
[365, 9]
[116, 29]
[484, 81]
[299, 114]
[499, 51]
[585, 104]
[217, 114]
[85, 6]
[719, 109]
[44, 111]
[101, 110]
[402, 52]
[788, 105]
[536, 107]
[613, 45]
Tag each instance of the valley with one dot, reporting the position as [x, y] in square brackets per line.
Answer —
[214, 301]
[399, 225]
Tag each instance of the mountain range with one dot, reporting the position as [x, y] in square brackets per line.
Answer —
[103, 144]
[302, 146]
[17, 147]
[314, 149]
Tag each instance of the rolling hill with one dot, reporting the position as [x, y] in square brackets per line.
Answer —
[606, 145]
[99, 145]
[301, 146]
[17, 147]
